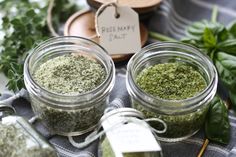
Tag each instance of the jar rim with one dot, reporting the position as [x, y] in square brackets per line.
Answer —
[110, 74]
[131, 79]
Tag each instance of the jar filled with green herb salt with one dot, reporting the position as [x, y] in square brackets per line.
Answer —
[174, 82]
[19, 139]
[69, 80]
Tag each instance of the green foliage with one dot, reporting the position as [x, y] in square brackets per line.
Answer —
[24, 25]
[217, 127]
[219, 43]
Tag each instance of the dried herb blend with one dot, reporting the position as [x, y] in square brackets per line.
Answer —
[173, 81]
[15, 143]
[69, 75]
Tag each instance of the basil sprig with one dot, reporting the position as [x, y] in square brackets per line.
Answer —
[219, 43]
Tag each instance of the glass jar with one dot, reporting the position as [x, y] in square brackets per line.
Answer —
[127, 134]
[69, 114]
[19, 138]
[183, 117]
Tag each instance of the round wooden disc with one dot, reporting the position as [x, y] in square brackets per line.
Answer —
[141, 6]
[82, 24]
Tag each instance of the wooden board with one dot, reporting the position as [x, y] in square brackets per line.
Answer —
[82, 24]
[141, 6]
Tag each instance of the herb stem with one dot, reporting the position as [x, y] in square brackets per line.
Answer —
[204, 146]
[161, 37]
[206, 141]
[214, 13]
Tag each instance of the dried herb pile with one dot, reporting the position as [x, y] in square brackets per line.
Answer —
[173, 81]
[70, 74]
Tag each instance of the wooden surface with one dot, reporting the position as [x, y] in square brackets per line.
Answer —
[82, 24]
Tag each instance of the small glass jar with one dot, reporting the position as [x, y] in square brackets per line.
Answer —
[19, 138]
[183, 117]
[67, 114]
[127, 134]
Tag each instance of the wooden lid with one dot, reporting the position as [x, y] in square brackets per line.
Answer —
[141, 6]
[82, 24]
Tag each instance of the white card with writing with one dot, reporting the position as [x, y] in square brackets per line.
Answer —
[119, 35]
[130, 137]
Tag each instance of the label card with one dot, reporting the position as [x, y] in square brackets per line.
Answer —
[119, 35]
[130, 137]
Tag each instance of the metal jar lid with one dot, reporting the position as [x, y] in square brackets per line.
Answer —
[7, 108]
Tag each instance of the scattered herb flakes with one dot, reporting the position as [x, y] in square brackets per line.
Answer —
[174, 81]
[69, 74]
[13, 143]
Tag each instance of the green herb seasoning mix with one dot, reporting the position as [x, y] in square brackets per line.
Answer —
[70, 74]
[173, 81]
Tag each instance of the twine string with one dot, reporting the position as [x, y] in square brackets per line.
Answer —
[100, 10]
[49, 18]
[98, 133]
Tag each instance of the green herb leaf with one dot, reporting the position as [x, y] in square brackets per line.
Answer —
[232, 96]
[23, 27]
[209, 38]
[228, 46]
[232, 30]
[226, 66]
[217, 125]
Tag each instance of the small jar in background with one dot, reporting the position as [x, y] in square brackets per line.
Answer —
[183, 117]
[19, 138]
[69, 114]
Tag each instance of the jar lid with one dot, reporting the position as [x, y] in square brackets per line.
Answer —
[82, 24]
[124, 112]
[7, 108]
[140, 6]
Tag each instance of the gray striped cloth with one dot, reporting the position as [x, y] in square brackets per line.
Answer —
[171, 19]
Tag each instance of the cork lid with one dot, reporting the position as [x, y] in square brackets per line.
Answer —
[82, 24]
[141, 6]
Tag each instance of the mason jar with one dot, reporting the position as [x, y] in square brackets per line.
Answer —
[69, 114]
[183, 117]
[19, 138]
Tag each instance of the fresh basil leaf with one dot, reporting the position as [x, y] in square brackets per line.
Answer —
[209, 38]
[228, 46]
[232, 30]
[223, 35]
[232, 96]
[217, 127]
[226, 67]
